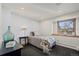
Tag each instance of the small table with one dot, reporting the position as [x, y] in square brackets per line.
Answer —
[25, 39]
[14, 51]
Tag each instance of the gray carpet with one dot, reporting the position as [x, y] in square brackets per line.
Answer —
[30, 50]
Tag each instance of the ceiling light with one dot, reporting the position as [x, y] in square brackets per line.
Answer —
[22, 8]
[59, 11]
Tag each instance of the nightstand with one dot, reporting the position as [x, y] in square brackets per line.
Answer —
[25, 38]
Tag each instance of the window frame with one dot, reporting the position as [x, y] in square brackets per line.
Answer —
[74, 26]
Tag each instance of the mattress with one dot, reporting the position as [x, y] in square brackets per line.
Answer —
[36, 40]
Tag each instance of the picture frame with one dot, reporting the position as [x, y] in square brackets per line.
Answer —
[67, 27]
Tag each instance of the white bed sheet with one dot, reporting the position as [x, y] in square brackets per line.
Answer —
[50, 39]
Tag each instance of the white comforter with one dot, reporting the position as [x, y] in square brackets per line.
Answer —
[50, 39]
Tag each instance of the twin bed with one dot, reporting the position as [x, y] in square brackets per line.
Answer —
[36, 40]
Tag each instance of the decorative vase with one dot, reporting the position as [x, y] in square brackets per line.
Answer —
[8, 36]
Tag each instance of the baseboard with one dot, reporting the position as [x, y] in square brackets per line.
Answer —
[68, 46]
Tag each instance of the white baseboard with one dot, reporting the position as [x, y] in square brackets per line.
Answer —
[68, 46]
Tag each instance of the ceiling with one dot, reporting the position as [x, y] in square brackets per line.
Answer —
[41, 11]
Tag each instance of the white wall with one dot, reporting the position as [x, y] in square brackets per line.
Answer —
[0, 24]
[0, 20]
[77, 24]
[70, 42]
[16, 22]
[46, 27]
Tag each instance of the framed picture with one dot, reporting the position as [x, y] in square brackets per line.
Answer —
[67, 27]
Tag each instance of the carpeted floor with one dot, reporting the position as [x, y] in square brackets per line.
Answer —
[30, 50]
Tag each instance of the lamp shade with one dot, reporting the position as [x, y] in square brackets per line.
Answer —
[23, 28]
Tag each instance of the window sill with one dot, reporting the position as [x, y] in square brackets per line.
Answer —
[64, 35]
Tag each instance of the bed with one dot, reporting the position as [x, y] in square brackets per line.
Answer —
[36, 40]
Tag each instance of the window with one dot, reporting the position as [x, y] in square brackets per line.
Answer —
[67, 27]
